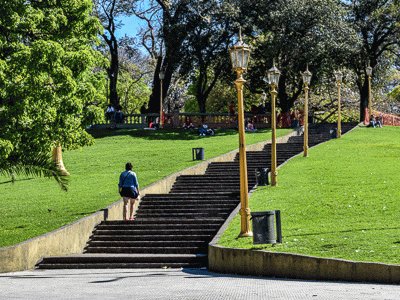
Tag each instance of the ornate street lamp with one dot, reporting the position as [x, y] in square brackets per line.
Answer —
[240, 54]
[339, 76]
[306, 80]
[161, 75]
[273, 79]
[368, 70]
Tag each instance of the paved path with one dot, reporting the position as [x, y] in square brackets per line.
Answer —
[176, 284]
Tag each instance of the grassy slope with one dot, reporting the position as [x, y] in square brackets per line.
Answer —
[342, 201]
[31, 207]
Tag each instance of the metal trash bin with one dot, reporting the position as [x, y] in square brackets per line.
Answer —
[264, 229]
[262, 176]
[198, 153]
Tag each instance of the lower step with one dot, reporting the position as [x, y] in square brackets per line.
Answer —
[124, 266]
[110, 261]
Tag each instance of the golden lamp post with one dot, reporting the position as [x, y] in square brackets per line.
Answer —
[368, 70]
[339, 76]
[273, 79]
[306, 80]
[161, 75]
[240, 54]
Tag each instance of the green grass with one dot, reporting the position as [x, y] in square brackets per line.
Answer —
[33, 206]
[343, 201]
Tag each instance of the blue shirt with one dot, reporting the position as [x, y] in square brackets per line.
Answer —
[128, 179]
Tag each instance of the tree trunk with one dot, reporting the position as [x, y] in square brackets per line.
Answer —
[113, 72]
[363, 88]
[154, 100]
[201, 101]
[284, 100]
[57, 158]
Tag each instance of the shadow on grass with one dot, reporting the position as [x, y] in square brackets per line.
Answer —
[10, 181]
[163, 134]
[344, 231]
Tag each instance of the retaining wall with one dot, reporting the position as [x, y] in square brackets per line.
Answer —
[287, 265]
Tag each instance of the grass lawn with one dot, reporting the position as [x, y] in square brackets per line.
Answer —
[343, 201]
[33, 206]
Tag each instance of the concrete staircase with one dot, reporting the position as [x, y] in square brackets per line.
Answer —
[173, 230]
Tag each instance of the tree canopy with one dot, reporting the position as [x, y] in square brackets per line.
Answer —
[47, 83]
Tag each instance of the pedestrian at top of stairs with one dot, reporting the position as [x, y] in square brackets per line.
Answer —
[128, 186]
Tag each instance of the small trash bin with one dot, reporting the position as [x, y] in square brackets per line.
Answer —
[262, 176]
[264, 229]
[198, 153]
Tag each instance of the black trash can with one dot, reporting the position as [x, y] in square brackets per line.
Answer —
[198, 153]
[262, 176]
[264, 227]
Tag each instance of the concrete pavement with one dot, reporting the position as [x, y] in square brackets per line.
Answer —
[176, 284]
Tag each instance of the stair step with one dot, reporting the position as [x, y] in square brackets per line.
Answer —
[198, 206]
[198, 237]
[155, 250]
[140, 265]
[156, 226]
[180, 196]
[155, 232]
[182, 215]
[141, 244]
[187, 211]
[189, 202]
[166, 221]
[114, 260]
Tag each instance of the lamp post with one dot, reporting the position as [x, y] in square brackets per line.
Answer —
[306, 80]
[339, 76]
[240, 54]
[273, 79]
[368, 70]
[161, 75]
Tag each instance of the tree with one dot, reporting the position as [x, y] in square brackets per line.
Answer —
[171, 40]
[297, 33]
[46, 68]
[206, 49]
[377, 24]
[107, 11]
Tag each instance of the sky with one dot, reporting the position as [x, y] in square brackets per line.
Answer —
[130, 27]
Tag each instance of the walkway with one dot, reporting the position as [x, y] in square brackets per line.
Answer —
[176, 284]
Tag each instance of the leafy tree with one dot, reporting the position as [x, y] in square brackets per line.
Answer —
[46, 81]
[182, 36]
[206, 49]
[377, 24]
[297, 33]
[107, 11]
[133, 90]
[133, 79]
